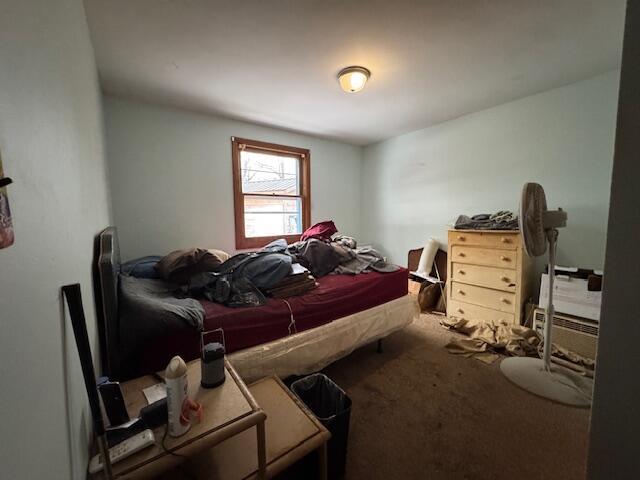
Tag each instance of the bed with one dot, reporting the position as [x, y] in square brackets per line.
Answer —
[300, 335]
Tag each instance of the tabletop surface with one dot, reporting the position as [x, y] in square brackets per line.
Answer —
[291, 432]
[222, 407]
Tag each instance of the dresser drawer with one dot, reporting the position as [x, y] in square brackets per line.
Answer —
[484, 256]
[505, 240]
[467, 311]
[492, 277]
[495, 299]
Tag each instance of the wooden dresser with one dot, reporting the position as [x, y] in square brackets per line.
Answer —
[488, 275]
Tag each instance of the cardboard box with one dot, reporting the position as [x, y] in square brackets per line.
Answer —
[570, 296]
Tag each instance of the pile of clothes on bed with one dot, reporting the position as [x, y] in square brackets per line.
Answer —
[160, 294]
[283, 270]
[246, 279]
[298, 282]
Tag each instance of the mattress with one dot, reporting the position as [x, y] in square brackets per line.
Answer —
[312, 350]
[335, 297]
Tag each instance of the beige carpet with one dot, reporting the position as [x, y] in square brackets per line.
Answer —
[422, 413]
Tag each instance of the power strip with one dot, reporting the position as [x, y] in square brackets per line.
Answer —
[124, 449]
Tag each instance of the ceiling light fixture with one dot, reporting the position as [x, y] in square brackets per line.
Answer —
[353, 79]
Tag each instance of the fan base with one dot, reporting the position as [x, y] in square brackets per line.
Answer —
[560, 385]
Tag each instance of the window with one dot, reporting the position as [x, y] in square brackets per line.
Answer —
[271, 192]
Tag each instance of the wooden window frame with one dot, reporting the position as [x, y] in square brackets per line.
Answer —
[237, 146]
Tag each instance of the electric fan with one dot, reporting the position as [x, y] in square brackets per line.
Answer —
[538, 227]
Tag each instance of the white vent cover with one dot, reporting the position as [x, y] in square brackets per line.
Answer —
[576, 334]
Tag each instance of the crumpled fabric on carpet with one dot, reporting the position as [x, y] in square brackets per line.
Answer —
[485, 340]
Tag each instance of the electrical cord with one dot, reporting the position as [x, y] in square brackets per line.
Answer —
[186, 473]
[164, 447]
[292, 323]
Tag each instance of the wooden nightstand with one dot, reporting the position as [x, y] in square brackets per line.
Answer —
[229, 410]
[292, 432]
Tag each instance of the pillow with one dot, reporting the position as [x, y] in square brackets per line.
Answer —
[223, 256]
[141, 267]
[180, 265]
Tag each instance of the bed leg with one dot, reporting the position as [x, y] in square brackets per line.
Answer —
[379, 348]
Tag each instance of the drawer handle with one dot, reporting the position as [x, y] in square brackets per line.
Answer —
[461, 238]
[461, 292]
[461, 254]
[506, 240]
[504, 279]
[461, 272]
[505, 258]
[505, 300]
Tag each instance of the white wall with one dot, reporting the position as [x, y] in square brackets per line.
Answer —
[172, 184]
[416, 184]
[52, 147]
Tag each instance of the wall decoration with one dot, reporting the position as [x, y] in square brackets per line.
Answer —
[6, 226]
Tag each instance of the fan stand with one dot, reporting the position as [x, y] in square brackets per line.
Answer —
[539, 376]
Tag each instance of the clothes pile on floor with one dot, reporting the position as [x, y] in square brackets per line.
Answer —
[502, 220]
[486, 341]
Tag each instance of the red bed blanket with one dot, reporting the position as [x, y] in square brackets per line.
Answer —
[335, 297]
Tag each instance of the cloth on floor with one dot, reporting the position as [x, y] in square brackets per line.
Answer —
[571, 359]
[484, 341]
[502, 220]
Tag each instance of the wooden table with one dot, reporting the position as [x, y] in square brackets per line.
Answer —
[292, 432]
[229, 410]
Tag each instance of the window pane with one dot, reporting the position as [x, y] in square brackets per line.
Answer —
[268, 173]
[264, 217]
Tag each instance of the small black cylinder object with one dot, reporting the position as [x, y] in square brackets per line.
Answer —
[212, 363]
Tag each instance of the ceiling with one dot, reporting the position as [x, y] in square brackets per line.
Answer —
[275, 62]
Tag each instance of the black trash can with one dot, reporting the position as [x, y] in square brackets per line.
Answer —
[332, 406]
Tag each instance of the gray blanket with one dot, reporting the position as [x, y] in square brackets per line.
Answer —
[149, 308]
[502, 220]
[364, 259]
